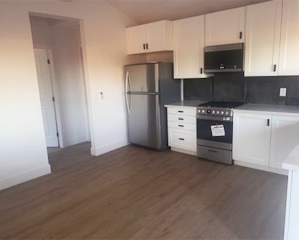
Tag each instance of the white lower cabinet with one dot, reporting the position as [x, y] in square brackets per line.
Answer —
[182, 139]
[264, 139]
[284, 138]
[251, 138]
[182, 129]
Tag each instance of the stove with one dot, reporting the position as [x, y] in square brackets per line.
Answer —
[215, 131]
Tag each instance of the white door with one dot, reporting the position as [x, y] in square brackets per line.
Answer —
[289, 46]
[225, 27]
[251, 138]
[263, 23]
[46, 97]
[284, 138]
[189, 47]
[136, 39]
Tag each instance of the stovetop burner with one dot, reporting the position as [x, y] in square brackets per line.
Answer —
[215, 104]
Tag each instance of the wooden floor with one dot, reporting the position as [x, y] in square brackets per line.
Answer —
[136, 193]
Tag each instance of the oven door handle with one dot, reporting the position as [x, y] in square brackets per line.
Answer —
[219, 119]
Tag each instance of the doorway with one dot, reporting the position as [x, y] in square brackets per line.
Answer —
[59, 64]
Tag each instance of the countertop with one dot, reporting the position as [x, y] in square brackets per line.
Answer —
[269, 108]
[292, 161]
[185, 104]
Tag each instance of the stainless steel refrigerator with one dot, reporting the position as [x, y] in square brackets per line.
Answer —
[148, 87]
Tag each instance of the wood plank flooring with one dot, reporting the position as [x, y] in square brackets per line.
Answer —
[137, 193]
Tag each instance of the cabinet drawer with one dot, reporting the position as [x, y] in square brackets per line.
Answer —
[181, 118]
[183, 126]
[182, 111]
[182, 139]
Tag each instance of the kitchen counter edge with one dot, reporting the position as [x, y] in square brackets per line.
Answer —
[265, 108]
[185, 104]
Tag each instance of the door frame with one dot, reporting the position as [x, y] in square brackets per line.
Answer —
[55, 95]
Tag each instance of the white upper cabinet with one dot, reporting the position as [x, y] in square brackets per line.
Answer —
[136, 38]
[152, 37]
[289, 46]
[263, 22]
[225, 27]
[189, 47]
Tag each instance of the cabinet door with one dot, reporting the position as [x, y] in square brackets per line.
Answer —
[225, 27]
[189, 48]
[289, 46]
[263, 23]
[136, 38]
[251, 138]
[284, 138]
[159, 36]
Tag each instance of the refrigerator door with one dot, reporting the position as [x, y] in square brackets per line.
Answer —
[142, 78]
[144, 124]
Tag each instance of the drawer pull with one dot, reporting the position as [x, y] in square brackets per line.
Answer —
[181, 118]
[181, 125]
[213, 151]
[182, 139]
[181, 111]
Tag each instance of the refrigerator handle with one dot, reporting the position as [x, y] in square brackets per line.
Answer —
[126, 91]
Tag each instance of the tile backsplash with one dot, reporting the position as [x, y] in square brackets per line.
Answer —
[236, 87]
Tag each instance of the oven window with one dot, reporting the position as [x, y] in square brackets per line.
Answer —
[204, 131]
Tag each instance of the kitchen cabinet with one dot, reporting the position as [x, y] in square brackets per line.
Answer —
[225, 27]
[189, 48]
[284, 138]
[289, 45]
[151, 37]
[263, 22]
[182, 129]
[251, 138]
[264, 139]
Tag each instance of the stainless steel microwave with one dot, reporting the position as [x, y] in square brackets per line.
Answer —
[224, 58]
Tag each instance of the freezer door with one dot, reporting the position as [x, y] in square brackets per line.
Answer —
[142, 78]
[144, 124]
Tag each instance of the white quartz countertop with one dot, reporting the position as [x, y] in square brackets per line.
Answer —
[292, 161]
[269, 108]
[185, 104]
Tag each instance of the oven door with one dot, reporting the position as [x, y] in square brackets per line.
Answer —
[205, 136]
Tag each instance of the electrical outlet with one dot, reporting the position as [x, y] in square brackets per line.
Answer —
[283, 92]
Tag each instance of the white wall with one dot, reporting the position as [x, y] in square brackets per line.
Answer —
[22, 145]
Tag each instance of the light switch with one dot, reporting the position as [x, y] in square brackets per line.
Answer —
[283, 92]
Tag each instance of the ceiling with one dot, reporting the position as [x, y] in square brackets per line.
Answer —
[145, 11]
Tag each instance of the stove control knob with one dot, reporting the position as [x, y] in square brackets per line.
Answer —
[217, 112]
[226, 112]
[213, 112]
[222, 112]
[203, 111]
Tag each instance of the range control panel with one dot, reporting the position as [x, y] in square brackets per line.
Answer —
[223, 114]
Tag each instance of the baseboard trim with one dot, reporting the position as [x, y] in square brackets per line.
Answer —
[24, 177]
[184, 151]
[263, 168]
[74, 141]
[108, 147]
